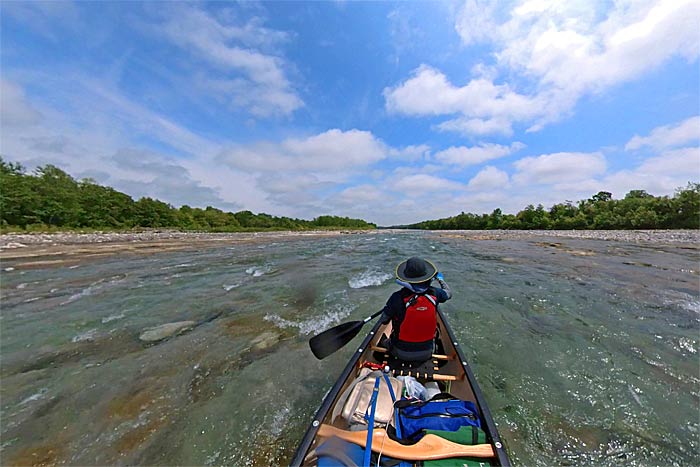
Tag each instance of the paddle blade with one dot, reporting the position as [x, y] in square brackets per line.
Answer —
[333, 339]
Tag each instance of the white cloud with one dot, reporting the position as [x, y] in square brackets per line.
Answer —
[463, 156]
[478, 126]
[100, 135]
[328, 151]
[659, 175]
[560, 167]
[14, 107]
[489, 178]
[411, 153]
[475, 22]
[429, 92]
[364, 195]
[261, 84]
[417, 185]
[557, 52]
[687, 131]
[683, 162]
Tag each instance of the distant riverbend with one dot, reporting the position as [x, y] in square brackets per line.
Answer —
[171, 348]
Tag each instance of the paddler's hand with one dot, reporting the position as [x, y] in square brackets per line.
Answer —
[439, 276]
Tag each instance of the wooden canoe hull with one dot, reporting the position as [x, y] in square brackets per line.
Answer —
[449, 367]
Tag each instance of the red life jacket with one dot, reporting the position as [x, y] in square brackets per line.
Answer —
[420, 321]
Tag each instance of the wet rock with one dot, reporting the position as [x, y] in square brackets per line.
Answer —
[265, 340]
[164, 331]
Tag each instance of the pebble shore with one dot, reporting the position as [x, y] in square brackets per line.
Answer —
[14, 240]
[68, 248]
[630, 236]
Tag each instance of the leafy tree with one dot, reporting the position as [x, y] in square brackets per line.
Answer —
[18, 197]
[149, 212]
[58, 196]
[685, 207]
[104, 206]
[601, 196]
[637, 210]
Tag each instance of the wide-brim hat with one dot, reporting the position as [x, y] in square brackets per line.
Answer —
[415, 270]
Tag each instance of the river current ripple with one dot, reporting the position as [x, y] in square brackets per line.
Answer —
[586, 350]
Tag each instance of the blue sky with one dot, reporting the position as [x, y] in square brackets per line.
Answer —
[391, 112]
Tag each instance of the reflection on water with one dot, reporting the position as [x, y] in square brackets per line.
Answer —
[586, 350]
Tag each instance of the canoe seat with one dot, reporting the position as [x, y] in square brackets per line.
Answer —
[376, 348]
[428, 370]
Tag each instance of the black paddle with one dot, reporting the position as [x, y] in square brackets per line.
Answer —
[330, 340]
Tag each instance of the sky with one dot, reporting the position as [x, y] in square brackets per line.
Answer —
[393, 112]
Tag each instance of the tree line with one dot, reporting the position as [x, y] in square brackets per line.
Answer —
[637, 210]
[51, 198]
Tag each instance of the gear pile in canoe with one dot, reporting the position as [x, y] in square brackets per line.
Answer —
[382, 411]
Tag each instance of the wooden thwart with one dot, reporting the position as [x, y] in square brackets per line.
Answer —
[424, 375]
[430, 447]
[376, 348]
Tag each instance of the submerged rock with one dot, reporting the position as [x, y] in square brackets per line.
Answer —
[265, 340]
[166, 330]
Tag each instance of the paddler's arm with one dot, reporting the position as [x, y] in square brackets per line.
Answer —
[386, 317]
[391, 306]
[443, 293]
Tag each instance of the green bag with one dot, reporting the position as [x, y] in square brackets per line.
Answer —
[465, 435]
[458, 462]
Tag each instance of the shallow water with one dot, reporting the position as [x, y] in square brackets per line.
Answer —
[586, 350]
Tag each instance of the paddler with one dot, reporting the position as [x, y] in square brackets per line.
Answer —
[413, 310]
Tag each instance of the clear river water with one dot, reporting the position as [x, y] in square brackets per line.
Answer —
[586, 350]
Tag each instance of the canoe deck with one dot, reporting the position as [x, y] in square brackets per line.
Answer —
[448, 368]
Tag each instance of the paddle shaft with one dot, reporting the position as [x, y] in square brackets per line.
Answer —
[370, 318]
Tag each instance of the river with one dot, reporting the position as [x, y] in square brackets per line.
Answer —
[586, 350]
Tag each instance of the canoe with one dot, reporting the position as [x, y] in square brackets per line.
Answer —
[448, 367]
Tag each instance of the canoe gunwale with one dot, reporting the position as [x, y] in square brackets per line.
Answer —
[501, 456]
[327, 403]
[491, 429]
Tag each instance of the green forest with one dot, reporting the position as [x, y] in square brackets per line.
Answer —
[637, 210]
[50, 199]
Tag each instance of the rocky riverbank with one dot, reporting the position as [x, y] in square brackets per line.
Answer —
[690, 237]
[66, 249]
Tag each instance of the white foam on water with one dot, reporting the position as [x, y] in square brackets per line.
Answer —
[22, 285]
[368, 278]
[35, 397]
[212, 460]
[85, 292]
[182, 265]
[688, 345]
[692, 305]
[92, 288]
[85, 336]
[279, 420]
[257, 271]
[316, 324]
[9, 269]
[232, 286]
[112, 318]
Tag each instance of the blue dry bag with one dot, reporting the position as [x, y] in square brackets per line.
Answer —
[435, 414]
